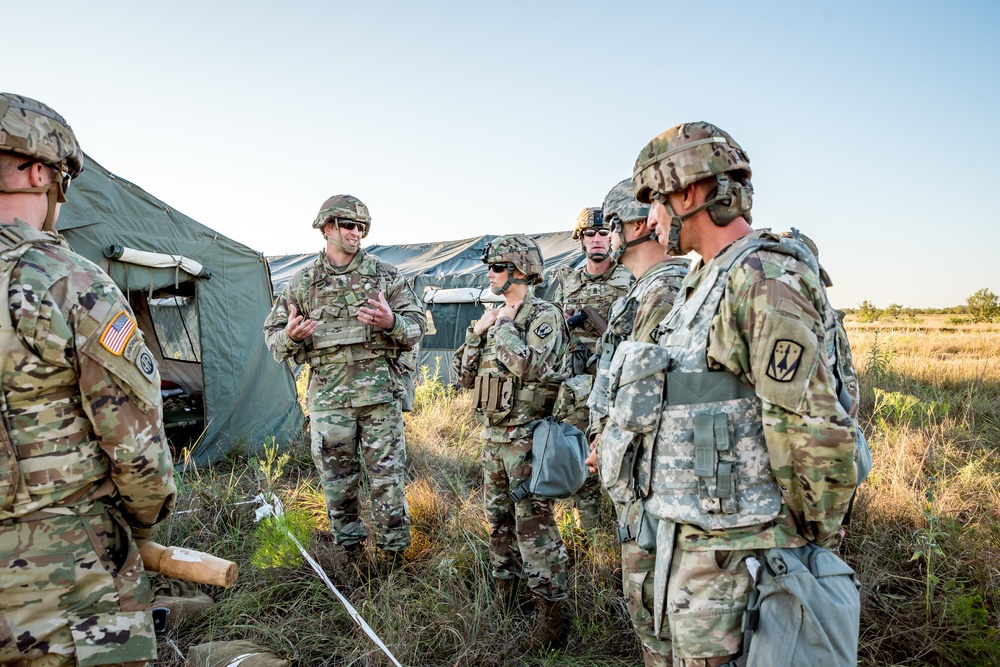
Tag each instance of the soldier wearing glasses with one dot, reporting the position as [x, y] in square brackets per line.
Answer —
[511, 360]
[597, 284]
[349, 316]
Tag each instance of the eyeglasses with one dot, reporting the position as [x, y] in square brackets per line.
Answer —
[497, 268]
[66, 177]
[594, 232]
[351, 226]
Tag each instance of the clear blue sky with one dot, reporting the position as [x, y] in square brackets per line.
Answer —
[871, 126]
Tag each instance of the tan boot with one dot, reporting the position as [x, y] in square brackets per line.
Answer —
[548, 629]
[508, 593]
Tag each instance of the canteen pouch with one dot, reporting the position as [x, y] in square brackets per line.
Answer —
[804, 609]
[638, 378]
[558, 461]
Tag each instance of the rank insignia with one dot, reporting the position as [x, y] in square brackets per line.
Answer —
[543, 330]
[117, 333]
[784, 360]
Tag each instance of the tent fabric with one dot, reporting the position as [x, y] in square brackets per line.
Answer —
[247, 397]
[456, 266]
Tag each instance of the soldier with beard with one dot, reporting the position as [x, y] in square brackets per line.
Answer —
[350, 316]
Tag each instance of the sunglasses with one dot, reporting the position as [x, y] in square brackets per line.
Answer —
[497, 268]
[351, 226]
[594, 232]
[66, 177]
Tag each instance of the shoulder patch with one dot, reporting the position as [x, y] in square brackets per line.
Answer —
[116, 335]
[784, 360]
[543, 330]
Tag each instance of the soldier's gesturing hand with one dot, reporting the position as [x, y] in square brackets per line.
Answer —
[379, 314]
[298, 328]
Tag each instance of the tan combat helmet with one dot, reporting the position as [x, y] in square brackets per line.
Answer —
[686, 154]
[517, 251]
[344, 207]
[621, 206]
[36, 131]
[589, 218]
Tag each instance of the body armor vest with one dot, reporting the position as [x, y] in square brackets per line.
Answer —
[39, 467]
[333, 302]
[599, 292]
[501, 398]
[621, 321]
[710, 465]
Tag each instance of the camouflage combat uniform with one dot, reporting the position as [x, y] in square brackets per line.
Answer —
[634, 317]
[526, 351]
[355, 388]
[788, 474]
[577, 288]
[86, 468]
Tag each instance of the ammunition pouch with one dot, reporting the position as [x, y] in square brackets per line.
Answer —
[493, 398]
[617, 453]
[571, 400]
[637, 377]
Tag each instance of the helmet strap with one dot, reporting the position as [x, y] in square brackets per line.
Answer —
[54, 196]
[346, 248]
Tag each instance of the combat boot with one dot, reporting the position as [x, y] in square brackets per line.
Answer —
[547, 629]
[508, 593]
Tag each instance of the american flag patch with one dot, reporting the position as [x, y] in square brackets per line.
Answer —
[118, 333]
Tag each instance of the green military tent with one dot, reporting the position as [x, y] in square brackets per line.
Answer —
[450, 277]
[200, 299]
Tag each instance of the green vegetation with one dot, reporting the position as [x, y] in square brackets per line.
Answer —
[924, 537]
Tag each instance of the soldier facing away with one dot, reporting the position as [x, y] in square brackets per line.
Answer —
[84, 466]
[585, 295]
[634, 317]
[349, 316]
[511, 360]
[755, 445]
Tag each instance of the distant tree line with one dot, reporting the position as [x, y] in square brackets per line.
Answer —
[983, 306]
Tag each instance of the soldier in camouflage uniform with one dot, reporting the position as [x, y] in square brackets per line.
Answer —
[597, 284]
[84, 467]
[658, 279]
[755, 443]
[511, 360]
[350, 316]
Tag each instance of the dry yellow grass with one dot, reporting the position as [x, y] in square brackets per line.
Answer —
[926, 533]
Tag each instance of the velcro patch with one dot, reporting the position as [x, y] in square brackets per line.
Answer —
[117, 333]
[543, 330]
[144, 362]
[784, 361]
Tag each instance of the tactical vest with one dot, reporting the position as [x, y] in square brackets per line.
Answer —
[710, 465]
[36, 471]
[581, 289]
[333, 302]
[621, 321]
[501, 398]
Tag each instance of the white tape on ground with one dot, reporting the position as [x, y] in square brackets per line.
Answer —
[271, 506]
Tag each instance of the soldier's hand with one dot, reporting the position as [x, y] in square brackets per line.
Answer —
[486, 321]
[511, 310]
[378, 313]
[298, 327]
[592, 456]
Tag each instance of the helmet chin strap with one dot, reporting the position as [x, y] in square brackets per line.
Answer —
[350, 250]
[617, 254]
[597, 256]
[511, 280]
[674, 240]
[54, 196]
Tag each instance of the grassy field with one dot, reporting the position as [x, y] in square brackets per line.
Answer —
[924, 539]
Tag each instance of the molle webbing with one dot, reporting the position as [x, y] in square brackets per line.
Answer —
[687, 388]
